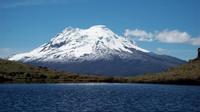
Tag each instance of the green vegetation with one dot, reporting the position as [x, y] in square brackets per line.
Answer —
[17, 72]
[185, 74]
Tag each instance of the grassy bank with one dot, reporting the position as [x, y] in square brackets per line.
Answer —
[11, 71]
[185, 74]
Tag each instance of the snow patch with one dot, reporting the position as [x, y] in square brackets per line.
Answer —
[74, 43]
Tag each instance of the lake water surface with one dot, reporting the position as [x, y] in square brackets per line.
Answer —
[98, 97]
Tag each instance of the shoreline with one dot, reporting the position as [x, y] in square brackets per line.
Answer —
[145, 83]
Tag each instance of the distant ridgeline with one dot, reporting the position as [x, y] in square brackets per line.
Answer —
[198, 56]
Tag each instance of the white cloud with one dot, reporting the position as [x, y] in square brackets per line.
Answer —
[5, 49]
[5, 52]
[161, 50]
[141, 35]
[195, 41]
[20, 3]
[165, 36]
[173, 36]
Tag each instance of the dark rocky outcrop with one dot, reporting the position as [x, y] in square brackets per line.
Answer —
[198, 57]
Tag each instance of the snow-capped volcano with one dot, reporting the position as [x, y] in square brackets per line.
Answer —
[73, 44]
[96, 50]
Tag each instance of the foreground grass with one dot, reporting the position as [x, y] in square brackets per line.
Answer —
[188, 73]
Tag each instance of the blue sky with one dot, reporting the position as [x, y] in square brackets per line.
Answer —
[153, 24]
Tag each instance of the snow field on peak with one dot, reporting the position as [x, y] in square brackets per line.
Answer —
[74, 43]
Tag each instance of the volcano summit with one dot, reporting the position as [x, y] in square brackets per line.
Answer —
[96, 50]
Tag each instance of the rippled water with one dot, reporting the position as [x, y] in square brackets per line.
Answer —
[98, 98]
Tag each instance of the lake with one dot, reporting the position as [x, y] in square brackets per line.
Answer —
[98, 97]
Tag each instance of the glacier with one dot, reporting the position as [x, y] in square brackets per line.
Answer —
[96, 50]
